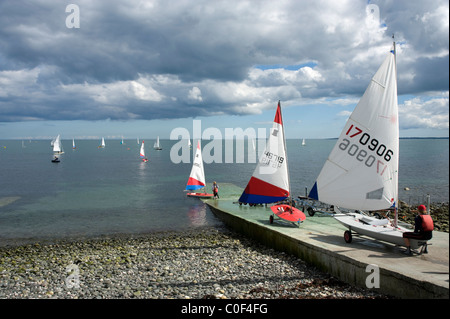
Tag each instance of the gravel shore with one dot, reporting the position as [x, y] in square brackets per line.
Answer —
[438, 211]
[196, 264]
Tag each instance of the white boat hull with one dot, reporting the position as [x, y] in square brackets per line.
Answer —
[367, 226]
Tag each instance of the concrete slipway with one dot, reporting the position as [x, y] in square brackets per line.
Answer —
[319, 241]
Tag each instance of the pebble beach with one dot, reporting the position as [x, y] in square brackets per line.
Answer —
[211, 263]
[202, 263]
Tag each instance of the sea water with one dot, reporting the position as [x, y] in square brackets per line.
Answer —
[105, 191]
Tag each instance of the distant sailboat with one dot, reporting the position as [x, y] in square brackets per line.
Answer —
[57, 146]
[157, 146]
[121, 142]
[102, 145]
[303, 142]
[142, 153]
[197, 176]
[57, 149]
[73, 144]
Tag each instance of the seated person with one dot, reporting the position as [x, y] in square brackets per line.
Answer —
[423, 228]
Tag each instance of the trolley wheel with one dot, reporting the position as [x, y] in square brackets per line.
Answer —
[311, 211]
[271, 219]
[348, 236]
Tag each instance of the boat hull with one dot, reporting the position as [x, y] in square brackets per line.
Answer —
[288, 213]
[200, 195]
[362, 225]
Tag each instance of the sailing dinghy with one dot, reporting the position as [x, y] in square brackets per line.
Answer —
[197, 176]
[57, 145]
[102, 145]
[142, 153]
[361, 172]
[57, 149]
[157, 146]
[270, 180]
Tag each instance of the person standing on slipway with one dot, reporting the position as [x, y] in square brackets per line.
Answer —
[215, 190]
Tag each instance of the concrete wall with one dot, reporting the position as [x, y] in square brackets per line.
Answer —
[342, 267]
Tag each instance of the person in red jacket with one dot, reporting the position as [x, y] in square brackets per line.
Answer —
[423, 229]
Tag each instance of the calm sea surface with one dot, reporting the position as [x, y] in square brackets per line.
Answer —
[94, 192]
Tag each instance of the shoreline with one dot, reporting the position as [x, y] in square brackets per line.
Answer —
[439, 213]
[213, 263]
[210, 262]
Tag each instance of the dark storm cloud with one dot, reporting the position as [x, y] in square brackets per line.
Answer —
[173, 59]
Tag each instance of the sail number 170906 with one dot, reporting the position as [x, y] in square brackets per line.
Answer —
[368, 158]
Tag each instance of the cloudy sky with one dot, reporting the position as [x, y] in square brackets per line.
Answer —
[140, 68]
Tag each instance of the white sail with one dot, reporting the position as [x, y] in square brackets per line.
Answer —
[197, 176]
[73, 144]
[270, 180]
[361, 171]
[102, 145]
[57, 146]
[142, 152]
[157, 146]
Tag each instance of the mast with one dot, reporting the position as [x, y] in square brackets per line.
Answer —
[396, 200]
[286, 159]
[395, 53]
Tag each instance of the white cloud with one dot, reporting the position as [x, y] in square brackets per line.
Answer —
[195, 94]
[430, 113]
[116, 92]
[13, 83]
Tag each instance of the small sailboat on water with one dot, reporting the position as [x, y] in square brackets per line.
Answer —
[57, 149]
[142, 153]
[157, 146]
[197, 176]
[57, 145]
[270, 180]
[73, 144]
[361, 172]
[102, 145]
